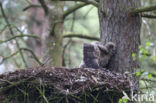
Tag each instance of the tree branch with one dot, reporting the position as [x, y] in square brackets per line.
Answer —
[25, 49]
[14, 37]
[144, 9]
[3, 29]
[64, 50]
[7, 57]
[85, 1]
[74, 8]
[88, 12]
[33, 54]
[30, 6]
[11, 32]
[44, 6]
[81, 36]
[148, 16]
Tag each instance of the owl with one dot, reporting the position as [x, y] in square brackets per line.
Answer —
[96, 55]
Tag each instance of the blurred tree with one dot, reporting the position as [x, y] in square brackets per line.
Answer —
[49, 26]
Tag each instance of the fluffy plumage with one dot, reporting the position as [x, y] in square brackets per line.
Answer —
[96, 55]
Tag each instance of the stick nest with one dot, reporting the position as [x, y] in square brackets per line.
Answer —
[62, 85]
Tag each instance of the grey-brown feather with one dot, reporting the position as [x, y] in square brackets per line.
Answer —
[102, 54]
[106, 53]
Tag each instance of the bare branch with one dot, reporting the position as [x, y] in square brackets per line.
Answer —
[30, 6]
[14, 37]
[11, 32]
[81, 36]
[33, 54]
[85, 1]
[3, 29]
[44, 6]
[148, 16]
[144, 9]
[88, 12]
[25, 49]
[73, 9]
[63, 52]
[8, 57]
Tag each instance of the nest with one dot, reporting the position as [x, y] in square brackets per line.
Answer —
[62, 85]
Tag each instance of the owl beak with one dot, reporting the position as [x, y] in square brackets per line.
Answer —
[114, 50]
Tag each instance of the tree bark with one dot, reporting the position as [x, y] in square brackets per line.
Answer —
[55, 37]
[122, 27]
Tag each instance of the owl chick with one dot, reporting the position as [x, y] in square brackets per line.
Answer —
[106, 52]
[96, 55]
[90, 59]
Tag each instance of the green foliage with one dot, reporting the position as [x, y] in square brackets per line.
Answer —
[152, 59]
[146, 56]
[140, 72]
[146, 73]
[134, 56]
[123, 100]
[149, 75]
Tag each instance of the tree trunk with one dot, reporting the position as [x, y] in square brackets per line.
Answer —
[49, 27]
[55, 37]
[38, 25]
[122, 27]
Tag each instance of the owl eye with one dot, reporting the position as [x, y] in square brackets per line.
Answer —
[111, 46]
